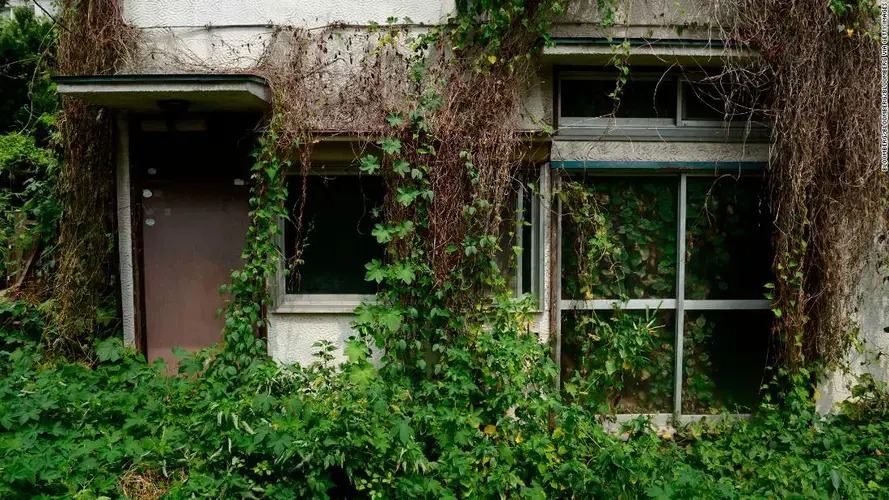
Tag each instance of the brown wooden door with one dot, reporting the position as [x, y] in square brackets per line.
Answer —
[193, 235]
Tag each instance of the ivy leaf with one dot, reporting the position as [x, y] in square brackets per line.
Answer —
[406, 197]
[369, 164]
[110, 350]
[262, 403]
[382, 233]
[392, 321]
[356, 351]
[394, 119]
[610, 366]
[405, 273]
[374, 271]
[362, 376]
[403, 430]
[390, 146]
[401, 167]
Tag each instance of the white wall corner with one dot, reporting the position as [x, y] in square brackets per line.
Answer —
[872, 318]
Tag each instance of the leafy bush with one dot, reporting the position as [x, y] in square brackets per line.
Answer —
[487, 426]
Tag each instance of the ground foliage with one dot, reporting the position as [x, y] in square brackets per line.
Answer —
[29, 210]
[488, 426]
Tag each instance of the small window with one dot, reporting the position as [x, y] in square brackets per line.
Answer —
[714, 101]
[639, 98]
[324, 266]
[336, 242]
[658, 104]
[621, 252]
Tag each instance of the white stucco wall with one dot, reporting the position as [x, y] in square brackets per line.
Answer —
[872, 316]
[292, 336]
[161, 13]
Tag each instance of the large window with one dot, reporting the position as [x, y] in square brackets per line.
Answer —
[661, 292]
[661, 105]
[323, 266]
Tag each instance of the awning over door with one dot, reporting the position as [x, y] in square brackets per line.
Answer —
[166, 93]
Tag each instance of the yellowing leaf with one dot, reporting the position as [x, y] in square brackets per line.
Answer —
[490, 430]
[492, 59]
[518, 439]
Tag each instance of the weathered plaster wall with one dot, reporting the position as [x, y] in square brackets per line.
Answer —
[154, 13]
[292, 336]
[645, 18]
[597, 150]
[873, 319]
[195, 35]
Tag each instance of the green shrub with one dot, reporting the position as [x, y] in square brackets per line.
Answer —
[487, 426]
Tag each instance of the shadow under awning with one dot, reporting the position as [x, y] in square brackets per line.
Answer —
[153, 93]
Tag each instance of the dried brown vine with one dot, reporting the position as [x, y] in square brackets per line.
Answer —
[93, 39]
[827, 189]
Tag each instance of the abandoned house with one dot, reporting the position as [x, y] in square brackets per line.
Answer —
[673, 169]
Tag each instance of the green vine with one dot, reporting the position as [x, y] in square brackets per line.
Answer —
[245, 316]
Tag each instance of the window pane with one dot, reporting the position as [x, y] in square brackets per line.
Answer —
[619, 361]
[725, 356]
[528, 241]
[508, 261]
[638, 98]
[336, 239]
[619, 238]
[729, 250]
[715, 100]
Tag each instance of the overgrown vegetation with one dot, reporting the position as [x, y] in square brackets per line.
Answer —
[28, 137]
[92, 42]
[482, 428]
[828, 196]
[446, 391]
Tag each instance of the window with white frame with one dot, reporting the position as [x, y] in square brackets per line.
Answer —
[325, 253]
[664, 105]
[662, 282]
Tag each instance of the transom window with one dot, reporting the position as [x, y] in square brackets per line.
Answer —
[663, 105]
[661, 292]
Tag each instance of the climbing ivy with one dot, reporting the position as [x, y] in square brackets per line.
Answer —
[245, 316]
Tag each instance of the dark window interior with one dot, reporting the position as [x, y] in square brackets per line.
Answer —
[726, 354]
[716, 100]
[638, 98]
[336, 239]
[506, 258]
[728, 238]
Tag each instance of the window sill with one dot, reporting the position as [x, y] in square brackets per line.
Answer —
[321, 303]
[618, 132]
